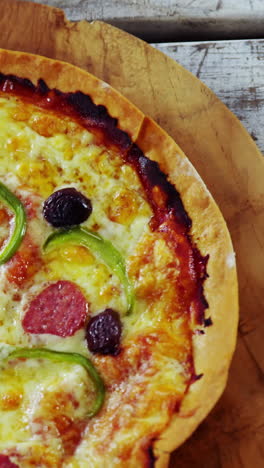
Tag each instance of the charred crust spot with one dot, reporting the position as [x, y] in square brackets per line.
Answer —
[98, 117]
[201, 264]
[42, 87]
[152, 458]
[196, 377]
[27, 83]
[202, 303]
[119, 138]
[151, 176]
[23, 82]
[87, 109]
[208, 322]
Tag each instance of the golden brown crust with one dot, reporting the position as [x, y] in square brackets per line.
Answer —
[214, 349]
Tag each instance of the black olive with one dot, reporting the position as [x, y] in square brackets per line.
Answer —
[66, 207]
[103, 332]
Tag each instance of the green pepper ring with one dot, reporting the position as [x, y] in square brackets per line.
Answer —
[104, 250]
[20, 223]
[73, 358]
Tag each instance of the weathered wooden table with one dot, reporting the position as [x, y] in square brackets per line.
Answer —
[221, 42]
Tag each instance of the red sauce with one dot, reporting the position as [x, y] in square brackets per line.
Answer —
[70, 432]
[25, 263]
[5, 222]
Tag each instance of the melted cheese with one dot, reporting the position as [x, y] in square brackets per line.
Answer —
[41, 402]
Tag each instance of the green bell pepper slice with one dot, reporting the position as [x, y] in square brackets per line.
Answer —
[20, 224]
[72, 358]
[102, 248]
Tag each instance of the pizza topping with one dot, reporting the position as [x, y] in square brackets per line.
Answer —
[123, 207]
[25, 263]
[72, 358]
[103, 332]
[20, 223]
[6, 463]
[60, 309]
[148, 379]
[66, 207]
[11, 400]
[102, 248]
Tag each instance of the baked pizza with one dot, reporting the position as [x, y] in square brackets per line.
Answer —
[118, 307]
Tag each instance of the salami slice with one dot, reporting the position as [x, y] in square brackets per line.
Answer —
[60, 309]
[6, 463]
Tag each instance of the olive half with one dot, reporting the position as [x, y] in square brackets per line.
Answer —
[66, 207]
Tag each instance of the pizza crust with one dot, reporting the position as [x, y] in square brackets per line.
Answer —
[213, 350]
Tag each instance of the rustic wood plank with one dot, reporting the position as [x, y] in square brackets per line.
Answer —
[160, 20]
[234, 70]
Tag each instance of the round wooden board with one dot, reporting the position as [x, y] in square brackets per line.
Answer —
[231, 165]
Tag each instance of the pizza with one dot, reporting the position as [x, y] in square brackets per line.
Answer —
[118, 308]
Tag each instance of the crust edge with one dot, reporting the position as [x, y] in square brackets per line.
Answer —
[212, 351]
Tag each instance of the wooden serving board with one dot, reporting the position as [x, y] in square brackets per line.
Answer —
[228, 160]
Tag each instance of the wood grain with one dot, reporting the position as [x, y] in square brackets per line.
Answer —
[160, 20]
[234, 70]
[233, 169]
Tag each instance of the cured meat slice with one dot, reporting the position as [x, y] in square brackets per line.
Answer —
[60, 309]
[6, 463]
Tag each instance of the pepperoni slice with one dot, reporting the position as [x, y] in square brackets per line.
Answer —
[6, 463]
[60, 309]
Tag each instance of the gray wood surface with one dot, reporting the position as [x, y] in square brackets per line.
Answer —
[234, 70]
[170, 20]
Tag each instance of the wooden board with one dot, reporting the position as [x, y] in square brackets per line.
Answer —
[160, 20]
[231, 165]
[234, 70]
